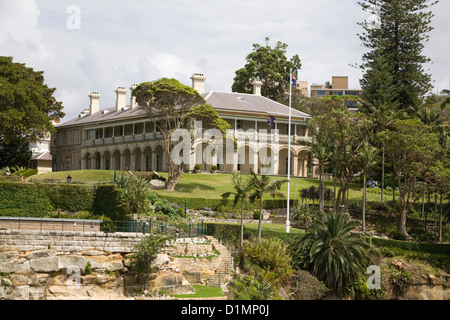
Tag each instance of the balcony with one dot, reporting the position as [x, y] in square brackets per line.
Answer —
[123, 139]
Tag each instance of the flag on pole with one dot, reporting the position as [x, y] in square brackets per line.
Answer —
[270, 121]
[293, 81]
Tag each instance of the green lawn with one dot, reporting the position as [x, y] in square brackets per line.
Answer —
[203, 292]
[204, 186]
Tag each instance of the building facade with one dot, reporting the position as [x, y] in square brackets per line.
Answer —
[125, 138]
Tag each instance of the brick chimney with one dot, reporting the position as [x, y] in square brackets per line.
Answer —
[94, 106]
[198, 82]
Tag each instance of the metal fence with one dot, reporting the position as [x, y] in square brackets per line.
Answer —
[176, 230]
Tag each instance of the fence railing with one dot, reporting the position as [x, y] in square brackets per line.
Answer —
[176, 230]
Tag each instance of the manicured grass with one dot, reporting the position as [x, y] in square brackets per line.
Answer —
[206, 186]
[79, 176]
[203, 292]
[273, 228]
[209, 186]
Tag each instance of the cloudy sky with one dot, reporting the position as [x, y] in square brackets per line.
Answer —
[118, 43]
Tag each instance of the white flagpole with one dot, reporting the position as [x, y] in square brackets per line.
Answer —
[289, 154]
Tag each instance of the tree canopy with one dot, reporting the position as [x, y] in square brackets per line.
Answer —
[27, 104]
[270, 66]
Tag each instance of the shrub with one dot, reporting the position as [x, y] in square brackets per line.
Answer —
[304, 286]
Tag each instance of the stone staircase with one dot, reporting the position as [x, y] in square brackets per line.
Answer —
[226, 269]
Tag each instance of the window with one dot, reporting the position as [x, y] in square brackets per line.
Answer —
[337, 93]
[239, 124]
[321, 92]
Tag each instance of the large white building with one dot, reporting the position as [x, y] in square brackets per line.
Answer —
[124, 137]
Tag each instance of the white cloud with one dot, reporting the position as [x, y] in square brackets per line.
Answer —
[126, 42]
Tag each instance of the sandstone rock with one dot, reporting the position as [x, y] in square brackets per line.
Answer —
[65, 262]
[49, 264]
[9, 256]
[41, 254]
[93, 253]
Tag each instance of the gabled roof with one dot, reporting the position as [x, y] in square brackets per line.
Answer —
[221, 101]
[104, 115]
[249, 103]
[44, 156]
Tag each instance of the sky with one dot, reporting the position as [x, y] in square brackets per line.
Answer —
[85, 46]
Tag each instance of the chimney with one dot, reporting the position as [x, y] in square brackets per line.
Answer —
[198, 82]
[257, 87]
[133, 99]
[120, 98]
[94, 106]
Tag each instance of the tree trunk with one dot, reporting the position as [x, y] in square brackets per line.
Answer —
[260, 218]
[321, 190]
[364, 203]
[242, 222]
[335, 204]
[440, 220]
[403, 222]
[382, 176]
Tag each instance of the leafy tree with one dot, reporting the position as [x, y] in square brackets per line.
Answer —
[321, 147]
[27, 104]
[167, 103]
[414, 149]
[15, 153]
[400, 40]
[261, 187]
[243, 189]
[367, 160]
[147, 251]
[331, 252]
[209, 117]
[270, 66]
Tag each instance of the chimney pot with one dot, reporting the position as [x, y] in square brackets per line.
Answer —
[120, 98]
[94, 106]
[133, 99]
[198, 82]
[257, 87]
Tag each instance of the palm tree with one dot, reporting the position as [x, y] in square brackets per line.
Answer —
[262, 186]
[243, 188]
[331, 252]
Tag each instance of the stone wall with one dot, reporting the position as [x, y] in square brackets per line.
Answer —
[55, 265]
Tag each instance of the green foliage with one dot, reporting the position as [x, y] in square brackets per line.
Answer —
[147, 251]
[209, 118]
[303, 215]
[269, 257]
[24, 200]
[27, 105]
[433, 248]
[304, 286]
[251, 288]
[135, 194]
[400, 280]
[270, 66]
[360, 291]
[107, 202]
[331, 252]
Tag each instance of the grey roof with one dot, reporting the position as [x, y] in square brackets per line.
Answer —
[221, 101]
[242, 102]
[105, 115]
[45, 156]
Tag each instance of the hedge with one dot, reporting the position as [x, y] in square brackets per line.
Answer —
[435, 248]
[38, 200]
[216, 204]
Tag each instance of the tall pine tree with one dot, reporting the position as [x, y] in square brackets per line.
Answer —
[396, 48]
